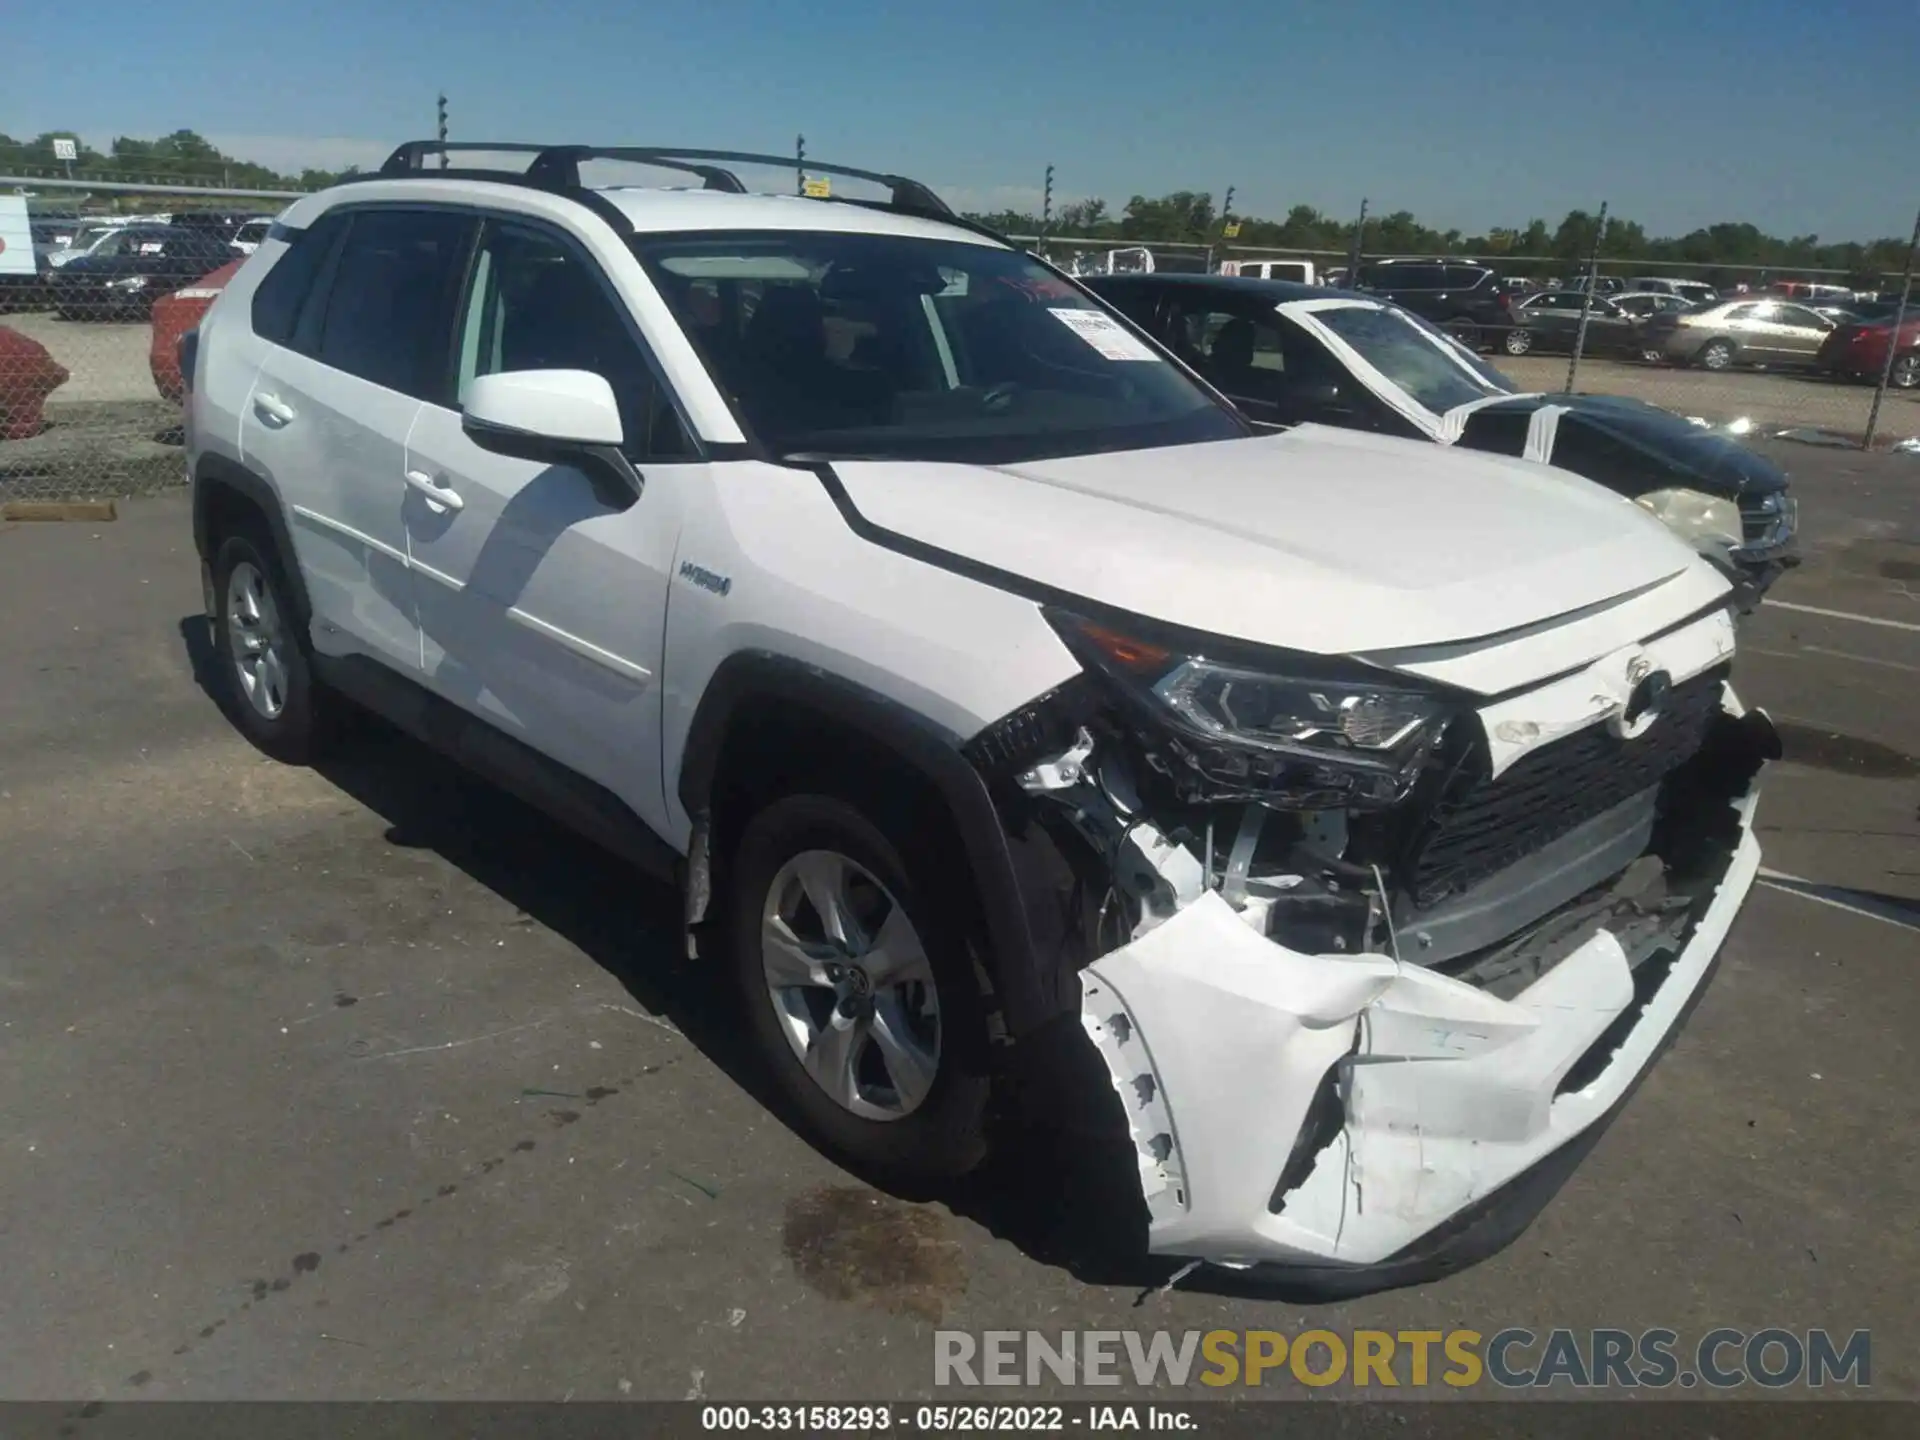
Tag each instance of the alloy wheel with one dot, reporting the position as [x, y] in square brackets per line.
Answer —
[851, 985]
[256, 639]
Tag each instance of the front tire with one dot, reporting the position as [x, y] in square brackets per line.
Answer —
[1715, 355]
[1905, 374]
[848, 946]
[1517, 342]
[260, 655]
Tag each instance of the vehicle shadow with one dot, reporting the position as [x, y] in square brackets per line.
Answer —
[1061, 1184]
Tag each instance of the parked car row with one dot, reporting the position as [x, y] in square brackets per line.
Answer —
[113, 267]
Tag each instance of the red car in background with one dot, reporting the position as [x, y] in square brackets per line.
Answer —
[173, 316]
[1859, 350]
[28, 374]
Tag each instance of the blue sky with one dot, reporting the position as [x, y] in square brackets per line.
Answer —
[1801, 117]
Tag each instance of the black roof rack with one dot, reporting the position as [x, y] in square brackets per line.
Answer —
[557, 167]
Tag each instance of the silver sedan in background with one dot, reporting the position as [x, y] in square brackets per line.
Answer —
[1740, 331]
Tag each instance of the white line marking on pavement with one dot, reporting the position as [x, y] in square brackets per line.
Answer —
[1844, 615]
[1836, 654]
[1893, 913]
[1862, 659]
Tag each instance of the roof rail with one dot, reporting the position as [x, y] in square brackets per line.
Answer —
[556, 169]
[562, 165]
[558, 166]
[410, 157]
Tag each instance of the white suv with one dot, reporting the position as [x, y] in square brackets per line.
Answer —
[1366, 813]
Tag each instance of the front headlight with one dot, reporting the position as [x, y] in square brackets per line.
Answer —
[1697, 518]
[1304, 731]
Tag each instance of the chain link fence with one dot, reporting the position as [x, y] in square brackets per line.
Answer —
[89, 389]
[97, 283]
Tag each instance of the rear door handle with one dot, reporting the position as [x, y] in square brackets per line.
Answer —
[272, 408]
[436, 492]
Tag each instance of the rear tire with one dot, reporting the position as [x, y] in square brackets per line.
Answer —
[1905, 374]
[261, 655]
[1464, 330]
[878, 989]
[1715, 355]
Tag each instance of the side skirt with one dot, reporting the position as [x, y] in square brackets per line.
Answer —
[582, 805]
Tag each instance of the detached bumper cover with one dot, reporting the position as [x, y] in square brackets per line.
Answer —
[1459, 1116]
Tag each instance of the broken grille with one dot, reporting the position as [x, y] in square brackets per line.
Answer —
[1484, 825]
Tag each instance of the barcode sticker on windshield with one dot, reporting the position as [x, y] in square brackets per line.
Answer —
[1103, 333]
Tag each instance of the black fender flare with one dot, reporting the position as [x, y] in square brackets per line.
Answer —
[217, 471]
[759, 678]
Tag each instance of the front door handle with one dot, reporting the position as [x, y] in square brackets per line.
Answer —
[438, 493]
[273, 409]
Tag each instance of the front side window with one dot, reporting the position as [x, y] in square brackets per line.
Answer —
[537, 304]
[899, 347]
[1418, 360]
[389, 307]
[1240, 353]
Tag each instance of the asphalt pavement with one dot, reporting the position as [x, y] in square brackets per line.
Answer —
[365, 1082]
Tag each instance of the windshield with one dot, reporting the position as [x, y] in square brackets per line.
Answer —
[884, 346]
[1438, 372]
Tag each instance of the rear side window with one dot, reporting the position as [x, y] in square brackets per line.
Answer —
[1464, 277]
[1409, 277]
[389, 308]
[284, 288]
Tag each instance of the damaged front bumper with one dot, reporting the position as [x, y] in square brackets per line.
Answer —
[1365, 1122]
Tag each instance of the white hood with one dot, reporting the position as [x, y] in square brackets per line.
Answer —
[1317, 539]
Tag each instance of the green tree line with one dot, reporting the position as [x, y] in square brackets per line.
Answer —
[182, 158]
[1185, 216]
[1189, 217]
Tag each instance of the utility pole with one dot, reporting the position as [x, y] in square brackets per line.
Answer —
[1893, 338]
[799, 164]
[1046, 210]
[1586, 296]
[1359, 250]
[440, 106]
[1226, 225]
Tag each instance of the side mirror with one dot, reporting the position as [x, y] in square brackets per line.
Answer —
[557, 417]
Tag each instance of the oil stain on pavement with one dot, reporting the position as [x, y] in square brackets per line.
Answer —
[855, 1244]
